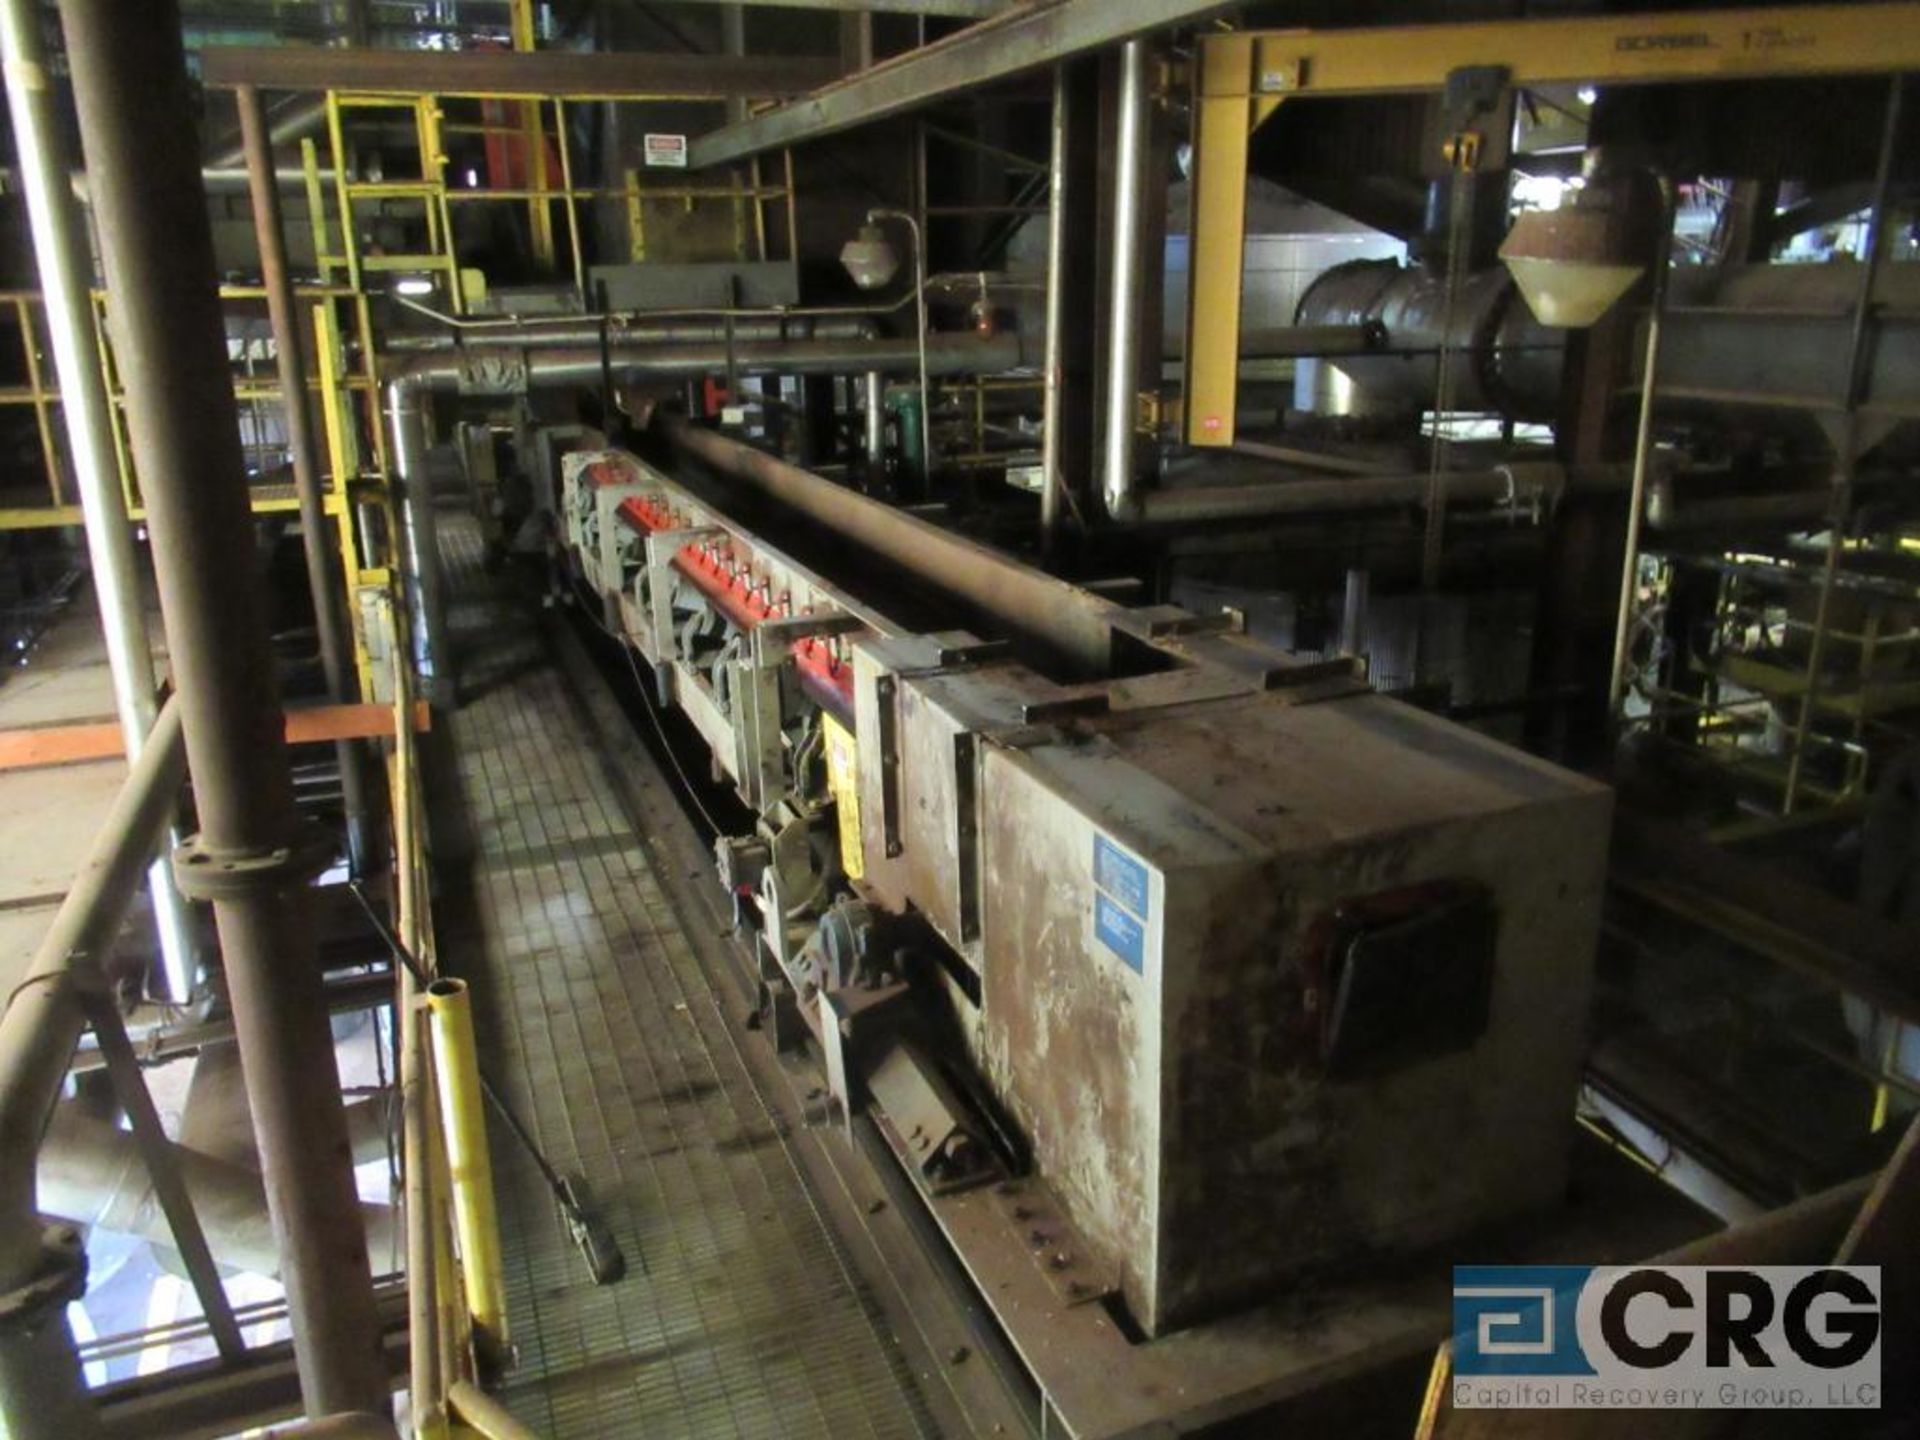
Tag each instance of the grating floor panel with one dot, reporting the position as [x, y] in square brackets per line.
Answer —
[739, 1315]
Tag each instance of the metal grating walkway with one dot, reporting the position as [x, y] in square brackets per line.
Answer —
[739, 1315]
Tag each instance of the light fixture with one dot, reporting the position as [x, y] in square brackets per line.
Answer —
[1587, 94]
[870, 257]
[413, 286]
[1572, 263]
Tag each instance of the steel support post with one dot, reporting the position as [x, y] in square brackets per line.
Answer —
[66, 282]
[1052, 479]
[873, 400]
[336, 651]
[1137, 228]
[129, 77]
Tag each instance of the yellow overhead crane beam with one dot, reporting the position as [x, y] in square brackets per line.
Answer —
[1241, 78]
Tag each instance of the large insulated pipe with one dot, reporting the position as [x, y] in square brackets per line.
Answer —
[1736, 344]
[1066, 619]
[1507, 360]
[66, 281]
[1128, 280]
[91, 1173]
[41, 1390]
[336, 658]
[156, 241]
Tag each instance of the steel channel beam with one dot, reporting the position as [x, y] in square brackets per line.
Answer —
[156, 242]
[536, 73]
[1024, 39]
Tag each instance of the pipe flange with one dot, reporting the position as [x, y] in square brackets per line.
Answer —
[204, 873]
[62, 1277]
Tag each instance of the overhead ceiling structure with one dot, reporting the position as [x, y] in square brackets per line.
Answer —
[1016, 42]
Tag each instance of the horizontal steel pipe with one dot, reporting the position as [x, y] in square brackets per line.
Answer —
[1066, 619]
[513, 367]
[550, 332]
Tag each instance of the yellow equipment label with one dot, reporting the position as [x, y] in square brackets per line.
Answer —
[843, 778]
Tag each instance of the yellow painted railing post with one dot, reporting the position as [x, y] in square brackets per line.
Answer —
[463, 1123]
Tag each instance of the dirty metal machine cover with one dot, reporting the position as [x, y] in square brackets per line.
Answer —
[1274, 975]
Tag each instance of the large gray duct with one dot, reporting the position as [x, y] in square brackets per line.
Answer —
[1753, 345]
[91, 1173]
[1506, 360]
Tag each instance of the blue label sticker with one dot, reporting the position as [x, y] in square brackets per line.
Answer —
[1120, 933]
[1120, 875]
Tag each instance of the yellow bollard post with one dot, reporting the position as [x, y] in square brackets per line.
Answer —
[463, 1125]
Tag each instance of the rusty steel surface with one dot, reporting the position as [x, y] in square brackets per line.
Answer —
[1173, 1098]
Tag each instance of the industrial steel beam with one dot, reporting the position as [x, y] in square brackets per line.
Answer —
[567, 74]
[1024, 39]
[959, 9]
[1241, 78]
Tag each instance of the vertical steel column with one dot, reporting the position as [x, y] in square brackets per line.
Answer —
[335, 657]
[873, 396]
[129, 76]
[1128, 277]
[66, 277]
[419, 540]
[1052, 475]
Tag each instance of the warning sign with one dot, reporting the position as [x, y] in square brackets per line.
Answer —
[669, 151]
